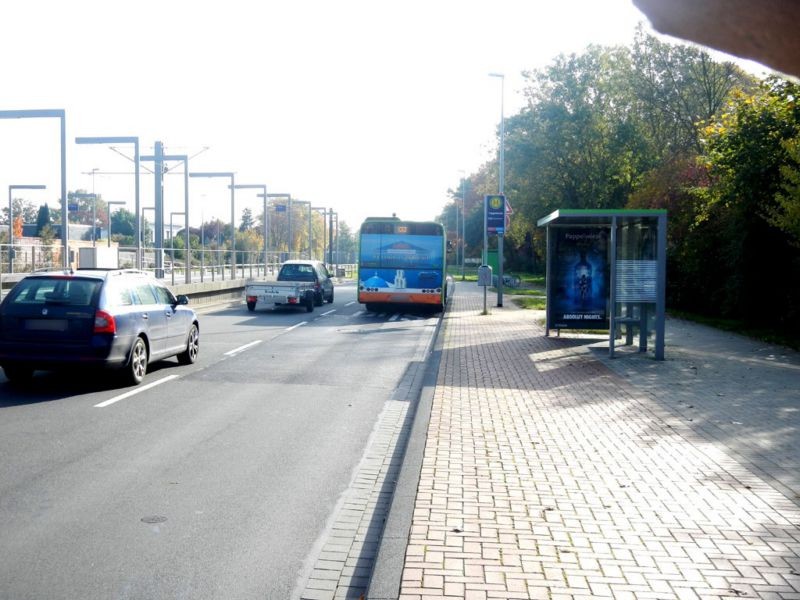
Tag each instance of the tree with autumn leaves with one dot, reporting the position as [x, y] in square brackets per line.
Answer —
[662, 125]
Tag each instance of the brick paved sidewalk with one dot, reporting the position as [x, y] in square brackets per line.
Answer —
[548, 475]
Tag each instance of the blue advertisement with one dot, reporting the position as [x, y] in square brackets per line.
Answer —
[401, 262]
[579, 279]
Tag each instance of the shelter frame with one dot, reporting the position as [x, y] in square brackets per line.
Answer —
[637, 264]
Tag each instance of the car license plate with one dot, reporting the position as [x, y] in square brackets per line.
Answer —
[46, 324]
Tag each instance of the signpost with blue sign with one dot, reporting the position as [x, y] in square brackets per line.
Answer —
[495, 214]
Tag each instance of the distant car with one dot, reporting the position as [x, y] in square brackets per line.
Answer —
[120, 319]
[305, 283]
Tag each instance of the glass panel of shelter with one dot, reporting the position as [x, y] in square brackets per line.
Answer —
[636, 278]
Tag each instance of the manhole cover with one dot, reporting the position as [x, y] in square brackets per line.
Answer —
[154, 519]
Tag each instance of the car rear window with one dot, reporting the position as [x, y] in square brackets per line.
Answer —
[297, 273]
[66, 291]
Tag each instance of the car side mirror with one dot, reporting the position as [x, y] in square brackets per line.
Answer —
[183, 299]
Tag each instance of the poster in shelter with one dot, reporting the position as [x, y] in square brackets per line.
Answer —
[579, 292]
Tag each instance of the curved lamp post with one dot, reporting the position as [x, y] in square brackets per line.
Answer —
[60, 114]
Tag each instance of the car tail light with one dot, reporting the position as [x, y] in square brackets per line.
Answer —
[252, 298]
[104, 322]
[292, 300]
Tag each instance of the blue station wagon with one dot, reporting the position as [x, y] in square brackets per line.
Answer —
[121, 319]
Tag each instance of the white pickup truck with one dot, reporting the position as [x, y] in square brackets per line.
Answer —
[303, 283]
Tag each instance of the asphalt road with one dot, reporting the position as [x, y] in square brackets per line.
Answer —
[209, 481]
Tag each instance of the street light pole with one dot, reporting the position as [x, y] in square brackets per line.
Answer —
[463, 222]
[124, 140]
[232, 186]
[263, 194]
[324, 211]
[289, 218]
[172, 246]
[59, 113]
[309, 223]
[144, 223]
[93, 198]
[11, 218]
[160, 159]
[500, 185]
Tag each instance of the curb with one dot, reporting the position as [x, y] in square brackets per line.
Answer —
[384, 582]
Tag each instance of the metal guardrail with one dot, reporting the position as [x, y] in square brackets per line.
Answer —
[211, 274]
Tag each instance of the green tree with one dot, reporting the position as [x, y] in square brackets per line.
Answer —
[42, 219]
[748, 150]
[248, 221]
[678, 88]
[785, 215]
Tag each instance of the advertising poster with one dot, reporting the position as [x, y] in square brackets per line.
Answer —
[401, 262]
[580, 279]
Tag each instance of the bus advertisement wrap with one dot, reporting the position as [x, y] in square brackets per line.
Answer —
[401, 262]
[580, 272]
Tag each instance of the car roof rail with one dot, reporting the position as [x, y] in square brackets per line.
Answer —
[52, 270]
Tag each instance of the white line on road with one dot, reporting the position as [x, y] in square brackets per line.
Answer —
[300, 324]
[359, 313]
[136, 391]
[242, 348]
[350, 303]
[328, 313]
[394, 317]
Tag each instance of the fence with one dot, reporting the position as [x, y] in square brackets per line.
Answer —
[203, 265]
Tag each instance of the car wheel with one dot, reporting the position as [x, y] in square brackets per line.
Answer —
[137, 365]
[18, 373]
[188, 356]
[310, 302]
[330, 300]
[251, 306]
[319, 299]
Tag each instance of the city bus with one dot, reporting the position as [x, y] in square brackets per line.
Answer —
[402, 262]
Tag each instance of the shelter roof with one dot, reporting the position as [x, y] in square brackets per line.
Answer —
[569, 216]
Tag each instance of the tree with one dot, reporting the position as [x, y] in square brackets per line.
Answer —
[785, 215]
[42, 219]
[24, 209]
[748, 151]
[679, 87]
[248, 221]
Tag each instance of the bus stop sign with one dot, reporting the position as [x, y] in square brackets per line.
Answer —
[495, 214]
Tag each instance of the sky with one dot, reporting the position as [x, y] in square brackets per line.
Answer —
[368, 107]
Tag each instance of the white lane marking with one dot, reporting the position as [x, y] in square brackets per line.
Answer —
[242, 348]
[300, 324]
[394, 317]
[359, 313]
[350, 303]
[136, 391]
[328, 313]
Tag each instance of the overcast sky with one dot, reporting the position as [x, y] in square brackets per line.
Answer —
[369, 107]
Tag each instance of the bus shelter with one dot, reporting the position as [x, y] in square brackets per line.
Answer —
[606, 269]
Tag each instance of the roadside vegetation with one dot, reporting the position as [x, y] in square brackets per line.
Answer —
[660, 125]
